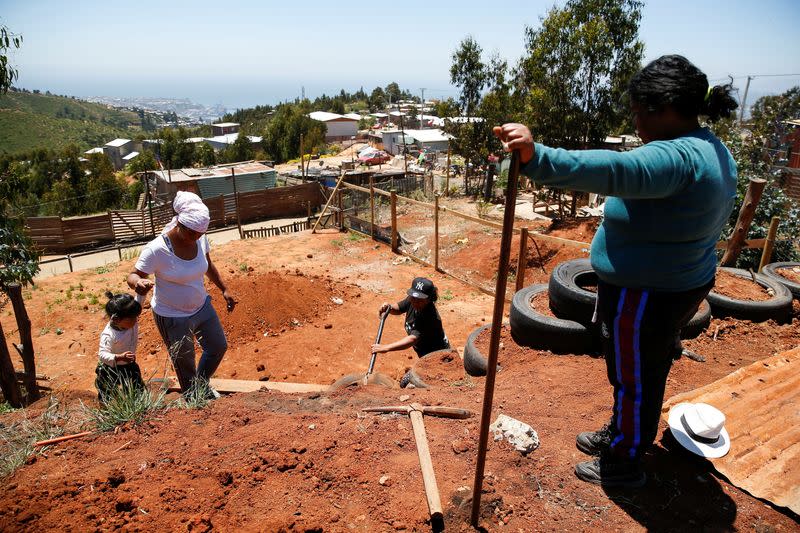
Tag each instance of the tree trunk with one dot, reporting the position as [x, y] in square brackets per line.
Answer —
[754, 190]
[8, 379]
[24, 325]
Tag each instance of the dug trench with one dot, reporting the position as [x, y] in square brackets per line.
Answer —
[268, 461]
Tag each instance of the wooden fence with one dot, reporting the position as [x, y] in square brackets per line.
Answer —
[294, 227]
[63, 235]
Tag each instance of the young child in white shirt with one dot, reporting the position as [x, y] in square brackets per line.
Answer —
[117, 365]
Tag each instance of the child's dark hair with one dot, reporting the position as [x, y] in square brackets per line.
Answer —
[674, 81]
[122, 305]
[434, 294]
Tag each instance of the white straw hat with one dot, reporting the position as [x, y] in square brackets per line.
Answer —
[700, 428]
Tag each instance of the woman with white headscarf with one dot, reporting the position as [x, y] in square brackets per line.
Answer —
[179, 260]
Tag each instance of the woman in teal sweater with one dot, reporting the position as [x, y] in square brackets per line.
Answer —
[654, 252]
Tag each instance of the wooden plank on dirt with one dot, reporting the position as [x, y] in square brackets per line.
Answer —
[243, 385]
[760, 406]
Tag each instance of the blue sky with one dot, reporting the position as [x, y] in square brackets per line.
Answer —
[243, 53]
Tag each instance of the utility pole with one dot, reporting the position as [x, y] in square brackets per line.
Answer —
[422, 107]
[744, 99]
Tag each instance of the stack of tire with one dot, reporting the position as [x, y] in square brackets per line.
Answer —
[571, 331]
[777, 307]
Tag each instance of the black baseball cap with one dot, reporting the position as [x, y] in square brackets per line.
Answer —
[421, 288]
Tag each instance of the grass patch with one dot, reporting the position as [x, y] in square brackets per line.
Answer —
[105, 269]
[338, 243]
[447, 295]
[355, 237]
[126, 404]
[131, 253]
[5, 407]
[17, 439]
[243, 267]
[197, 397]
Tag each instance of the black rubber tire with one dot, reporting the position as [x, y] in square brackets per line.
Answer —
[356, 380]
[535, 330]
[475, 363]
[698, 323]
[777, 308]
[771, 269]
[413, 380]
[567, 299]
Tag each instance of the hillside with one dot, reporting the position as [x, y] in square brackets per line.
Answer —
[31, 120]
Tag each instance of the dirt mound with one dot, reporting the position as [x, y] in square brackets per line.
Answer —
[271, 303]
[733, 286]
[442, 368]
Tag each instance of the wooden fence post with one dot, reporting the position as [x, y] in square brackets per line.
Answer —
[236, 197]
[24, 325]
[754, 190]
[341, 213]
[69, 260]
[766, 253]
[393, 200]
[447, 180]
[522, 260]
[436, 232]
[8, 379]
[371, 207]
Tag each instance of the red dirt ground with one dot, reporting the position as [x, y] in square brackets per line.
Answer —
[792, 274]
[313, 462]
[733, 286]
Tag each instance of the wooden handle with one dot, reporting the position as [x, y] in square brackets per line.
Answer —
[61, 439]
[446, 412]
[426, 465]
[388, 409]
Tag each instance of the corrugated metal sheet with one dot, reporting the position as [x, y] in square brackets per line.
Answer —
[761, 403]
[212, 187]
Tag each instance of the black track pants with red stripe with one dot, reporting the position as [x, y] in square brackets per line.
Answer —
[640, 329]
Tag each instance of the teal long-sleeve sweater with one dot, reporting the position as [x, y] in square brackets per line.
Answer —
[667, 203]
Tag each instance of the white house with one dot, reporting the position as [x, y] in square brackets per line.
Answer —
[339, 127]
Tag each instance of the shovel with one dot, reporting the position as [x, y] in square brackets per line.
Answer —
[369, 377]
[377, 341]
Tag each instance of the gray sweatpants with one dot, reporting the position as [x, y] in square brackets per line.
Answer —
[179, 334]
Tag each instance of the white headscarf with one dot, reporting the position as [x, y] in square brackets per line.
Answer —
[189, 211]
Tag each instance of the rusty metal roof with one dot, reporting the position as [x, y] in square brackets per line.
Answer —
[761, 403]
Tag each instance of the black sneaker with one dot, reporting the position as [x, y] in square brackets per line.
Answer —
[609, 471]
[595, 442]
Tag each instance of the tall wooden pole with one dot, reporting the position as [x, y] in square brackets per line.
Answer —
[522, 260]
[766, 254]
[754, 190]
[447, 180]
[436, 232]
[494, 342]
[302, 160]
[8, 378]
[393, 200]
[24, 326]
[371, 207]
[236, 198]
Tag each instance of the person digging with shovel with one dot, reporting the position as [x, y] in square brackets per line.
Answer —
[423, 324]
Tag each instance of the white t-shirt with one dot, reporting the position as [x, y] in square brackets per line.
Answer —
[179, 289]
[117, 341]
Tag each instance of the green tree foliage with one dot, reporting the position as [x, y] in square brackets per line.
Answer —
[575, 70]
[175, 151]
[282, 138]
[377, 99]
[756, 157]
[468, 73]
[19, 260]
[240, 150]
[446, 108]
[145, 161]
[393, 92]
[206, 155]
[8, 74]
